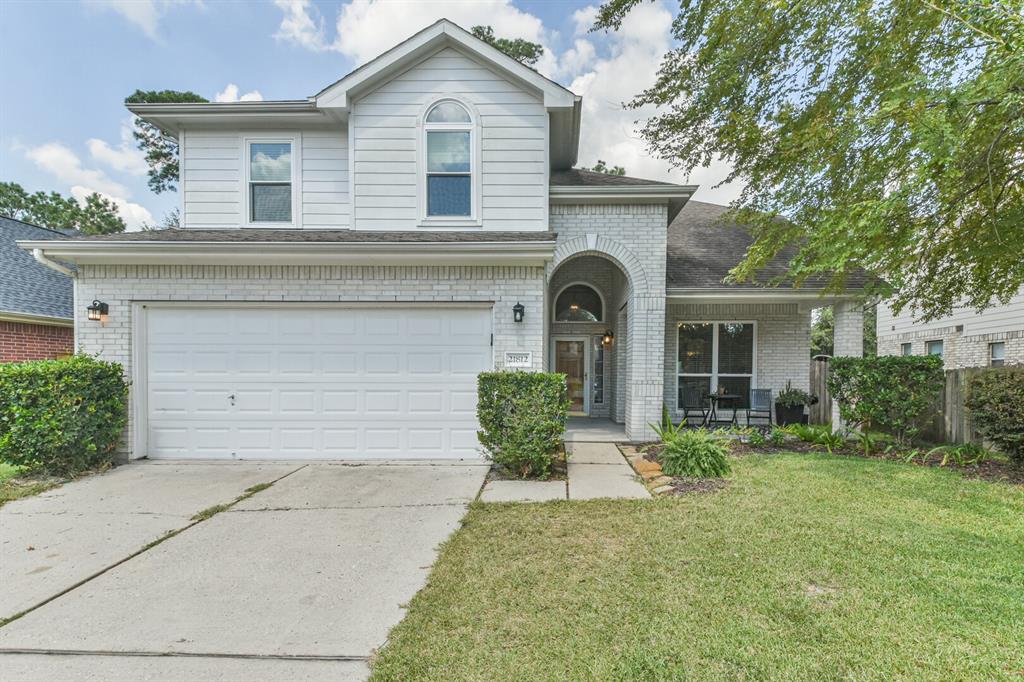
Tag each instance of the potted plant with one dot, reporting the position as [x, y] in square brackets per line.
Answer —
[789, 405]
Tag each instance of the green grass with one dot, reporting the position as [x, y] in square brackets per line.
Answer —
[14, 488]
[806, 567]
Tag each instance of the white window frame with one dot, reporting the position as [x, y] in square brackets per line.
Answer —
[293, 139]
[928, 349]
[906, 346]
[714, 375]
[992, 359]
[600, 296]
[475, 166]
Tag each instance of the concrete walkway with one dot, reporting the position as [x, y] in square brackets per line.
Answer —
[596, 470]
[303, 580]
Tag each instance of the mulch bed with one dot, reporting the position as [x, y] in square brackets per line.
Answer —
[686, 486]
[992, 470]
[559, 471]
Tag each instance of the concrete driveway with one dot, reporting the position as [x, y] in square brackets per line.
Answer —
[301, 580]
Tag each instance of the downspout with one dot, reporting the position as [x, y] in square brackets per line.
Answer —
[53, 265]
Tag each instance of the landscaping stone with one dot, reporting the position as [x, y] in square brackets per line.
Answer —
[664, 490]
[523, 491]
[644, 465]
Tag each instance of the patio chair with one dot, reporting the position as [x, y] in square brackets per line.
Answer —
[693, 402]
[760, 404]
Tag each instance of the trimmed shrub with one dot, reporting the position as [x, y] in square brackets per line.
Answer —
[995, 399]
[522, 418]
[696, 454]
[889, 392]
[61, 417]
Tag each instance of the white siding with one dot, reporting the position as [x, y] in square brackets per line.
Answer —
[213, 173]
[1000, 318]
[513, 144]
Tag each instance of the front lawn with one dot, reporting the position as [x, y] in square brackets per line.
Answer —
[804, 567]
[14, 484]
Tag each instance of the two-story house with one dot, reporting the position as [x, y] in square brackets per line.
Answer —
[349, 262]
[965, 338]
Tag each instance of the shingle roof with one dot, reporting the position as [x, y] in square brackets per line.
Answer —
[27, 287]
[578, 177]
[702, 248]
[250, 235]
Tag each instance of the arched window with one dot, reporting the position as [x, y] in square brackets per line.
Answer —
[448, 131]
[578, 303]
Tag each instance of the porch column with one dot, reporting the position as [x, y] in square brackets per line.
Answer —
[646, 378]
[848, 340]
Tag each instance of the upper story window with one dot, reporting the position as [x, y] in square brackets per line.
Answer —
[578, 303]
[270, 181]
[448, 129]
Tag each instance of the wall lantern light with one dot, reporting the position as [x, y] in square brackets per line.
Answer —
[518, 310]
[98, 311]
[608, 337]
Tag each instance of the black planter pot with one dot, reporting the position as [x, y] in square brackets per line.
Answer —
[789, 415]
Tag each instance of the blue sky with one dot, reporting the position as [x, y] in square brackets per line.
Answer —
[66, 66]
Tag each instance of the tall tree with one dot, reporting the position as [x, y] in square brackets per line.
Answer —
[161, 150]
[601, 167]
[519, 49]
[889, 133]
[97, 216]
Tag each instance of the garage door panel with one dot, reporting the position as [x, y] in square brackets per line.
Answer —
[315, 382]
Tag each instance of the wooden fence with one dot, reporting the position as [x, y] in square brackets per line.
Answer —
[947, 422]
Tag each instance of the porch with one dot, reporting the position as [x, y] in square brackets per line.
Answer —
[594, 430]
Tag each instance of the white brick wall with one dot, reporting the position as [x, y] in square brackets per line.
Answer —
[633, 237]
[783, 342]
[120, 285]
[958, 350]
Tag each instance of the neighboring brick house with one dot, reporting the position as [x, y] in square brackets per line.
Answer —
[349, 262]
[36, 303]
[966, 338]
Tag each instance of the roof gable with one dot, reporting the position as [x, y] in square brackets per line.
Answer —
[435, 37]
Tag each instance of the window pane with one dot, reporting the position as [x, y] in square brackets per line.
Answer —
[270, 162]
[578, 303]
[934, 347]
[598, 352]
[735, 348]
[447, 152]
[271, 203]
[997, 353]
[448, 195]
[698, 387]
[448, 112]
[695, 348]
[906, 349]
[735, 386]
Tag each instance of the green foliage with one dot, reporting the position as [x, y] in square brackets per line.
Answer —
[794, 397]
[967, 454]
[816, 434]
[888, 392]
[890, 135]
[522, 418]
[666, 430]
[995, 399]
[519, 49]
[61, 416]
[161, 151]
[53, 210]
[823, 331]
[695, 453]
[757, 439]
[601, 167]
[776, 437]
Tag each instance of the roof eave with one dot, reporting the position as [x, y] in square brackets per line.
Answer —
[761, 295]
[32, 318]
[174, 117]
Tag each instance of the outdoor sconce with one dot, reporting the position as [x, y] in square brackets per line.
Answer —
[518, 310]
[98, 311]
[608, 337]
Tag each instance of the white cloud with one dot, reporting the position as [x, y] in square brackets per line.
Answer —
[584, 19]
[126, 157]
[302, 25]
[67, 168]
[230, 94]
[145, 14]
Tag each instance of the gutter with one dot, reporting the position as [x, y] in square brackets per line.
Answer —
[724, 293]
[28, 318]
[41, 258]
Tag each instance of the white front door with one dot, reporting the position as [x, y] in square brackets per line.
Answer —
[305, 382]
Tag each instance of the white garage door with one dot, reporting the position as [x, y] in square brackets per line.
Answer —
[302, 382]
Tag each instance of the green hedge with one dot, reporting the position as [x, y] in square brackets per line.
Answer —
[61, 416]
[889, 392]
[995, 399]
[522, 418]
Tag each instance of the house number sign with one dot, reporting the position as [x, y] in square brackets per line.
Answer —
[518, 359]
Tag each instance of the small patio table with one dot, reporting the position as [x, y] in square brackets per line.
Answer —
[726, 400]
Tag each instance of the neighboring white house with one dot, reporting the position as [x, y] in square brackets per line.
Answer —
[967, 338]
[349, 263]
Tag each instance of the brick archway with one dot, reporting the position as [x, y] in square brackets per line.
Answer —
[596, 245]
